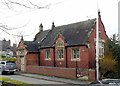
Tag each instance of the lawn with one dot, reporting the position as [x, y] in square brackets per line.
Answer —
[15, 82]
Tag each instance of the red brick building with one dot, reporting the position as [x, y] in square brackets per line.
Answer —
[64, 51]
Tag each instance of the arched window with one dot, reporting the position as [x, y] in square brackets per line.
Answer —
[60, 49]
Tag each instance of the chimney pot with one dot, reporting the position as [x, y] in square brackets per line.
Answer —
[41, 27]
[53, 25]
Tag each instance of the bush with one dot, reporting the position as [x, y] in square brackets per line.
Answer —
[3, 56]
[8, 59]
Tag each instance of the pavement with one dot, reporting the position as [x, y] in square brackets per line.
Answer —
[52, 78]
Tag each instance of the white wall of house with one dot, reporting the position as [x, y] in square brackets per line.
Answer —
[7, 54]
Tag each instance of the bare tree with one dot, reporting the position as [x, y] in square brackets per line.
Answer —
[14, 4]
[29, 4]
[18, 5]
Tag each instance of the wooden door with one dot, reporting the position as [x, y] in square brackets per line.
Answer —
[22, 63]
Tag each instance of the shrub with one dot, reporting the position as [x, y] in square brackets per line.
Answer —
[8, 59]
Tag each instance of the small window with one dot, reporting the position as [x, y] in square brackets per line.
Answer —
[60, 54]
[101, 49]
[47, 54]
[75, 54]
[60, 44]
[2, 62]
[21, 52]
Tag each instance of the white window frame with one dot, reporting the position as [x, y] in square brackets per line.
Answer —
[47, 54]
[21, 52]
[59, 55]
[101, 48]
[77, 57]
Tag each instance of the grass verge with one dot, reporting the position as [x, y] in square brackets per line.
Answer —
[14, 82]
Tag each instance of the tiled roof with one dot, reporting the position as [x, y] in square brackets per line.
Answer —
[41, 35]
[31, 46]
[74, 34]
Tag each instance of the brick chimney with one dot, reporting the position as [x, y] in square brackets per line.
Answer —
[41, 28]
[99, 13]
[114, 38]
[53, 25]
[22, 38]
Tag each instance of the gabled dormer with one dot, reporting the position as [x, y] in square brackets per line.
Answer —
[59, 47]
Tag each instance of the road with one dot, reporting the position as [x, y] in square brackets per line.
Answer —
[40, 82]
[43, 82]
[31, 80]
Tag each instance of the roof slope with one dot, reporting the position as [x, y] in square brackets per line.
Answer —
[74, 34]
[31, 46]
[41, 35]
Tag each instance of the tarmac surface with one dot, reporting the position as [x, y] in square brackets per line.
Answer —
[56, 79]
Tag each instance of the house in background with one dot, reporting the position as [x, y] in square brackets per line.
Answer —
[64, 51]
[6, 49]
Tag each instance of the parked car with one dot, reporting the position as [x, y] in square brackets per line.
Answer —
[7, 67]
[115, 82]
[106, 82]
[97, 83]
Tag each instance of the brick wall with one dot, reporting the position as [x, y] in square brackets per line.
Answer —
[32, 59]
[44, 62]
[53, 71]
[59, 62]
[66, 62]
[60, 72]
[92, 42]
[18, 63]
[84, 56]
[91, 75]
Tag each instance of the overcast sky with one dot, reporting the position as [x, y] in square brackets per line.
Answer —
[62, 12]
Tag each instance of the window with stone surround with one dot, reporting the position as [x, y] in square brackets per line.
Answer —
[60, 49]
[75, 54]
[21, 52]
[47, 54]
[60, 53]
[101, 48]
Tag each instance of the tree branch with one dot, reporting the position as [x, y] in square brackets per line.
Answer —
[33, 6]
[17, 3]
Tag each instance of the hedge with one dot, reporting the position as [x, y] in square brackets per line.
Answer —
[8, 59]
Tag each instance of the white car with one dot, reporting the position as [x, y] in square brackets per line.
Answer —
[106, 82]
[7, 67]
[115, 82]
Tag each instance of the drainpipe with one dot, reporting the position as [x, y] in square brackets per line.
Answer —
[38, 56]
[76, 68]
[66, 58]
[54, 56]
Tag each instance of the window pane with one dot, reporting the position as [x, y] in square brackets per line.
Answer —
[60, 53]
[75, 53]
[47, 53]
[101, 48]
